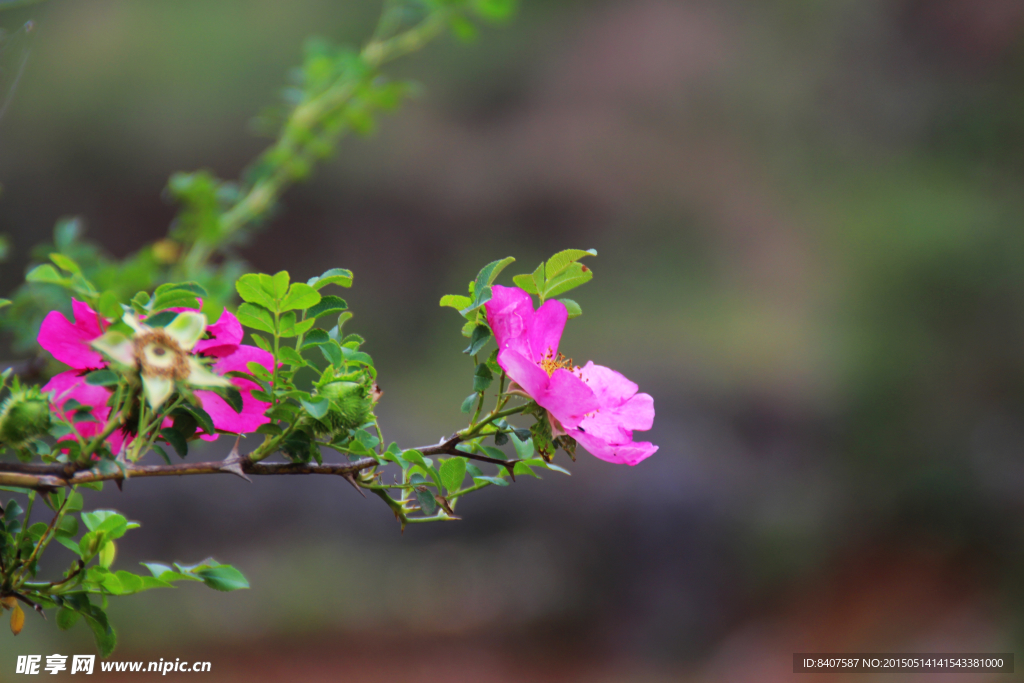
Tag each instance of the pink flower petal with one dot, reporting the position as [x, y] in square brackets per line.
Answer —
[224, 416]
[226, 336]
[568, 398]
[629, 453]
[545, 330]
[524, 372]
[509, 313]
[71, 385]
[69, 343]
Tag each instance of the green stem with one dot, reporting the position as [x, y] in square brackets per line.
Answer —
[291, 146]
[44, 541]
[474, 430]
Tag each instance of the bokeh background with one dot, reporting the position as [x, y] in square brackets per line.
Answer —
[809, 221]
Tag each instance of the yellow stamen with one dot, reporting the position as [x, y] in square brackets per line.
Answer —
[549, 363]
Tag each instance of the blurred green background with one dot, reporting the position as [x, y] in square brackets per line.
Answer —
[809, 221]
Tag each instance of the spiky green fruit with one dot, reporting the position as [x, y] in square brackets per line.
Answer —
[24, 416]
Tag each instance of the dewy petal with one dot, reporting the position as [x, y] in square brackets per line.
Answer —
[226, 336]
[116, 346]
[69, 343]
[510, 313]
[546, 329]
[200, 376]
[186, 329]
[157, 389]
[629, 453]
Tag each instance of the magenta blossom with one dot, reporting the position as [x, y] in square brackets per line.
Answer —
[595, 405]
[70, 344]
[528, 353]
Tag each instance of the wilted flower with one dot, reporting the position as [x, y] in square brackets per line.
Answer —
[161, 354]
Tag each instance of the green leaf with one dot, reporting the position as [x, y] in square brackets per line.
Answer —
[256, 317]
[495, 10]
[495, 453]
[175, 298]
[316, 407]
[523, 468]
[232, 396]
[109, 305]
[467, 405]
[455, 301]
[353, 356]
[46, 273]
[223, 577]
[334, 276]
[416, 458]
[192, 287]
[452, 472]
[250, 289]
[65, 263]
[161, 319]
[573, 276]
[489, 273]
[175, 439]
[201, 416]
[68, 526]
[75, 502]
[328, 304]
[316, 337]
[482, 378]
[102, 378]
[526, 283]
[572, 307]
[524, 447]
[332, 352]
[66, 618]
[103, 633]
[290, 356]
[263, 343]
[481, 335]
[558, 263]
[428, 505]
[280, 284]
[497, 481]
[300, 297]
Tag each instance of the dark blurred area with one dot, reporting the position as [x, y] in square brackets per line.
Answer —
[809, 221]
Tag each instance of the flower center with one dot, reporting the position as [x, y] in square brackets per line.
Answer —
[160, 356]
[549, 363]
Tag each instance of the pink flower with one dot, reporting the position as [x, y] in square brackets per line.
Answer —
[70, 344]
[607, 432]
[528, 353]
[595, 405]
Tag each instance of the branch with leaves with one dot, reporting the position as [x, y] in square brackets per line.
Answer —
[153, 361]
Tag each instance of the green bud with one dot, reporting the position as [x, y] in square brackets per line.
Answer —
[351, 406]
[24, 416]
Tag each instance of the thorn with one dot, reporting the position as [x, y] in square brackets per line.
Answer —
[510, 466]
[233, 463]
[352, 480]
[119, 485]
